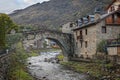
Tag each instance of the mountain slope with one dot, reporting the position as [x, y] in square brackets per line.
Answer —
[55, 12]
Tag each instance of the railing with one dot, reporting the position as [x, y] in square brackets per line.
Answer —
[113, 42]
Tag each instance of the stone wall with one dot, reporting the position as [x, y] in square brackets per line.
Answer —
[67, 28]
[93, 38]
[112, 32]
[4, 66]
[90, 38]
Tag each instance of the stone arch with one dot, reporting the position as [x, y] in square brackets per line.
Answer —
[60, 45]
[64, 40]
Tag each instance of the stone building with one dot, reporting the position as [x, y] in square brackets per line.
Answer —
[115, 4]
[91, 30]
[67, 28]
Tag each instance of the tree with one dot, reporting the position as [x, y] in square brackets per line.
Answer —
[6, 25]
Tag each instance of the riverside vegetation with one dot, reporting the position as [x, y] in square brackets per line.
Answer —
[18, 70]
[94, 70]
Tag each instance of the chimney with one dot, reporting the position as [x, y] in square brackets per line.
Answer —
[97, 13]
[88, 18]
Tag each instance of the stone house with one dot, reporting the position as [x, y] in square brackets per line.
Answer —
[115, 4]
[67, 28]
[91, 30]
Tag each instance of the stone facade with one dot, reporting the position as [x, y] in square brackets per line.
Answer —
[87, 37]
[87, 46]
[112, 32]
[67, 28]
[114, 6]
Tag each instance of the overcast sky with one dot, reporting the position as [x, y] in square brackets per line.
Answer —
[7, 6]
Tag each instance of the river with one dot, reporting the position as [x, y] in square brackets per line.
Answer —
[44, 70]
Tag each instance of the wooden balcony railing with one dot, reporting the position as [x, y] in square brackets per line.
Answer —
[113, 42]
[80, 37]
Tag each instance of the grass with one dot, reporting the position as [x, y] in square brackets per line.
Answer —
[18, 69]
[22, 75]
[33, 53]
[82, 67]
[94, 69]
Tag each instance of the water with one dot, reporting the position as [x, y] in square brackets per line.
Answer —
[42, 70]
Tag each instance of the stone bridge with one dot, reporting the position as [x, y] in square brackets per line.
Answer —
[64, 40]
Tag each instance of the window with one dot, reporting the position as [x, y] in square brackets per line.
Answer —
[104, 29]
[86, 31]
[113, 18]
[81, 44]
[76, 43]
[112, 8]
[71, 24]
[76, 33]
[81, 36]
[80, 32]
[86, 44]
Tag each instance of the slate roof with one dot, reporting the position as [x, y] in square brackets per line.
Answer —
[95, 21]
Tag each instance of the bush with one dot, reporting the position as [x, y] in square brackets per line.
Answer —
[18, 65]
[101, 47]
[60, 57]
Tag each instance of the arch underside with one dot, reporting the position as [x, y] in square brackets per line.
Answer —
[65, 52]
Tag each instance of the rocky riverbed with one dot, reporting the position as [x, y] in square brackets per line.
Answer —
[45, 67]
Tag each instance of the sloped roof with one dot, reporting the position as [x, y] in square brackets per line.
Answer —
[96, 21]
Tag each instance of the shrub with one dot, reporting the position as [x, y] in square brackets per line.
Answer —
[101, 47]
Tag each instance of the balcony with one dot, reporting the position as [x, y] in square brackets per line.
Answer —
[80, 37]
[113, 42]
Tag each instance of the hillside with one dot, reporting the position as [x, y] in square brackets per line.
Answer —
[55, 12]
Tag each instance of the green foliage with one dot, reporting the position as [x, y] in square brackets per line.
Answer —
[6, 22]
[101, 47]
[108, 66]
[27, 28]
[117, 79]
[2, 37]
[60, 57]
[6, 25]
[11, 39]
[81, 67]
[33, 53]
[18, 65]
[22, 75]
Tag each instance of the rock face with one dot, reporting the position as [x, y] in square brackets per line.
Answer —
[56, 12]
